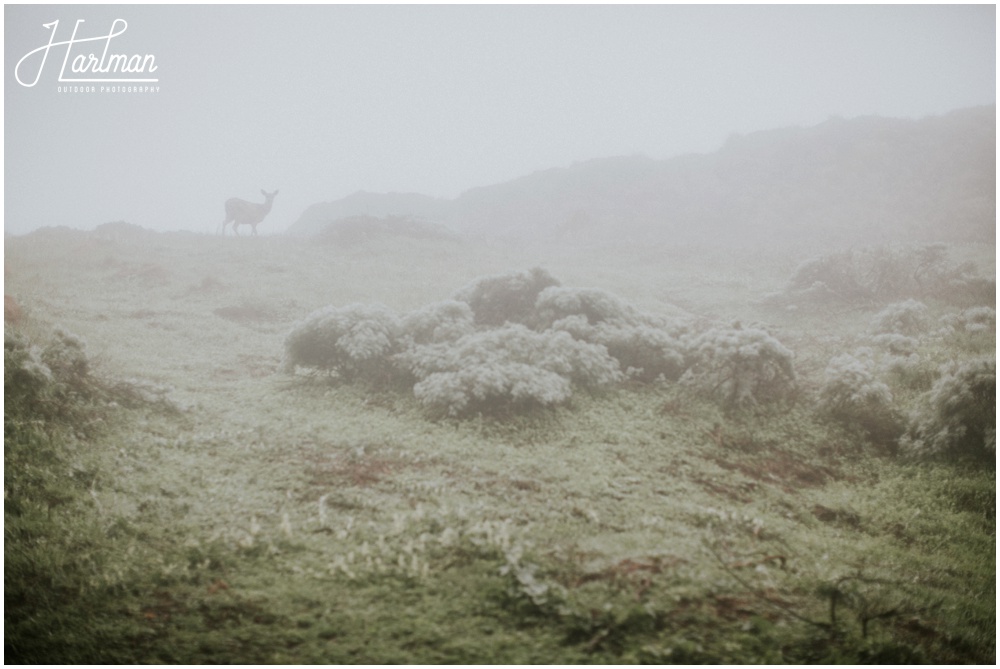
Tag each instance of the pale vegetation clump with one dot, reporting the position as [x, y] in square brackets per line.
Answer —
[854, 396]
[972, 320]
[740, 366]
[885, 274]
[647, 347]
[24, 373]
[508, 368]
[519, 340]
[906, 318]
[355, 341]
[956, 418]
[52, 384]
[506, 298]
[973, 330]
[48, 382]
[896, 344]
[439, 322]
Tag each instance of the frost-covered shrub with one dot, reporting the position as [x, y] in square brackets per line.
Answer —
[886, 273]
[24, 373]
[356, 341]
[645, 352]
[853, 396]
[973, 321]
[830, 277]
[66, 355]
[958, 414]
[896, 344]
[506, 298]
[979, 319]
[46, 383]
[914, 372]
[973, 330]
[439, 322]
[593, 304]
[905, 318]
[741, 367]
[508, 368]
[647, 347]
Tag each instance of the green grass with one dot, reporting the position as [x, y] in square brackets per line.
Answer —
[270, 519]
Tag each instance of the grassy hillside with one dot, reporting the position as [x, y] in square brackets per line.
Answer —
[182, 500]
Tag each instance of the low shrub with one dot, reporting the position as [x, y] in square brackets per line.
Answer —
[648, 348]
[973, 320]
[356, 341]
[957, 416]
[882, 274]
[48, 383]
[506, 369]
[506, 298]
[595, 305]
[853, 396]
[52, 386]
[740, 366]
[911, 372]
[904, 318]
[896, 344]
[646, 353]
[438, 322]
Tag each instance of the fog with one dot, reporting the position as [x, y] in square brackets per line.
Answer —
[323, 101]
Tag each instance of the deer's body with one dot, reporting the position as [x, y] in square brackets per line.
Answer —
[240, 212]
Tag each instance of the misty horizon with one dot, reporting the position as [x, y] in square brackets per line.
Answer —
[440, 100]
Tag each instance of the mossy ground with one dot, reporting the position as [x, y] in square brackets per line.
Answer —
[298, 520]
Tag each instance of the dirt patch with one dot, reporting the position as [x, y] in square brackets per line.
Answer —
[839, 516]
[739, 494]
[781, 467]
[629, 570]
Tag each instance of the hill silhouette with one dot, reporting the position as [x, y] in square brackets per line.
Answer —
[864, 180]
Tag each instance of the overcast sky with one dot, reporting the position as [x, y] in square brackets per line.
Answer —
[323, 101]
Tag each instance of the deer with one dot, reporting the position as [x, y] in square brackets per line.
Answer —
[240, 212]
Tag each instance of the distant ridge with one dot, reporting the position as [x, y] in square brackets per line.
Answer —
[862, 180]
